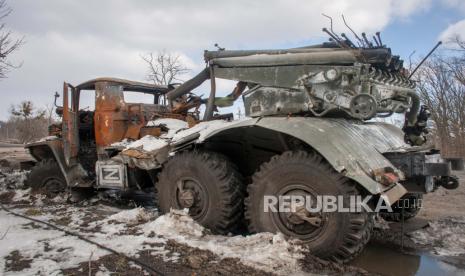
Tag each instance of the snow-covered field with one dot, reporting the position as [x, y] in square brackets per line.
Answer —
[172, 242]
[33, 249]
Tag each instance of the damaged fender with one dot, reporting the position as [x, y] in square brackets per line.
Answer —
[352, 148]
[53, 149]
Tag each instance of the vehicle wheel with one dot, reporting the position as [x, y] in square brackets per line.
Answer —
[336, 236]
[411, 203]
[206, 183]
[46, 178]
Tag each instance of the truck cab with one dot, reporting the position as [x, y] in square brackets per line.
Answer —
[83, 137]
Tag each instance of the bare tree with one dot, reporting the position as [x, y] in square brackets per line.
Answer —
[8, 44]
[164, 68]
[442, 88]
[27, 122]
[457, 43]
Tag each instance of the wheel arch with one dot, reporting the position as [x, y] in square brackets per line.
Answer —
[352, 149]
[52, 149]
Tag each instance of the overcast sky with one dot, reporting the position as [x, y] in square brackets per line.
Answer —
[79, 40]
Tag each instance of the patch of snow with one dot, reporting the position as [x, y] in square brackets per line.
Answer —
[122, 144]
[132, 216]
[148, 143]
[22, 194]
[265, 251]
[31, 242]
[177, 131]
[103, 271]
[50, 250]
[204, 129]
[12, 180]
[47, 138]
[446, 236]
[173, 125]
[176, 222]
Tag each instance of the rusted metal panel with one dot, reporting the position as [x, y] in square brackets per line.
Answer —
[153, 131]
[110, 118]
[114, 119]
[70, 126]
[142, 159]
[136, 120]
[74, 175]
[394, 194]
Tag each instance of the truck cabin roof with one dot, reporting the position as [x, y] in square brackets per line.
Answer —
[128, 85]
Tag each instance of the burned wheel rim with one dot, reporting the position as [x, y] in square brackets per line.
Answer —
[53, 186]
[191, 194]
[292, 223]
[46, 178]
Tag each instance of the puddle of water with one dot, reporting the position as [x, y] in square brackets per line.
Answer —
[386, 261]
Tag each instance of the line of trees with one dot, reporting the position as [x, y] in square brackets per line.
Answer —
[26, 124]
[441, 84]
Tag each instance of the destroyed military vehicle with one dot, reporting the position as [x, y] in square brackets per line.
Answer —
[309, 131]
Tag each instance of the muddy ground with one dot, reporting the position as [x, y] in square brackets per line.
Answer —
[434, 241]
[12, 154]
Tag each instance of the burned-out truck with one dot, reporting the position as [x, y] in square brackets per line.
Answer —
[310, 131]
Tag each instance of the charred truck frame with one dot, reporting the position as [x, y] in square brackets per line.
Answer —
[307, 133]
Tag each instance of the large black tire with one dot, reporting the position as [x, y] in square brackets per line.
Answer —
[46, 178]
[411, 203]
[340, 236]
[208, 184]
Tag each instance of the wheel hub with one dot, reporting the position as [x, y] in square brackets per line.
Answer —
[300, 223]
[301, 215]
[52, 187]
[192, 195]
[186, 198]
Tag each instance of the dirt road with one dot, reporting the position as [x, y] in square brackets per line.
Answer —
[445, 203]
[12, 154]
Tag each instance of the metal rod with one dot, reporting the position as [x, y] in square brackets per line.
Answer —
[369, 44]
[425, 58]
[330, 24]
[351, 44]
[402, 208]
[378, 34]
[355, 34]
[211, 99]
[189, 85]
[376, 41]
[341, 43]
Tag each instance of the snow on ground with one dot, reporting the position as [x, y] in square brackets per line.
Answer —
[127, 231]
[49, 250]
[22, 194]
[446, 236]
[265, 251]
[12, 180]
